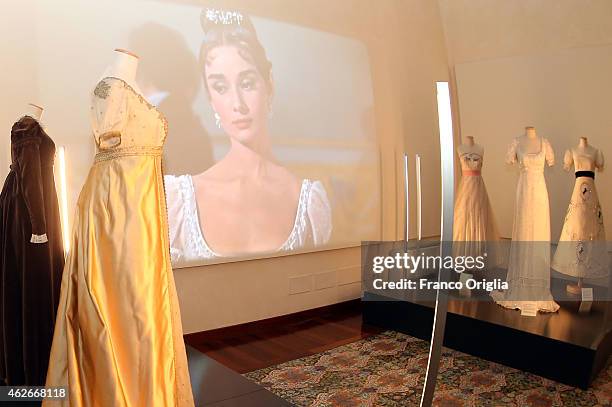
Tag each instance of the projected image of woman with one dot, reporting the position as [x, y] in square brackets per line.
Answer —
[246, 203]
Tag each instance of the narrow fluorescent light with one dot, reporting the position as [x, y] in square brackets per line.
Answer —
[417, 163]
[407, 198]
[61, 156]
[446, 231]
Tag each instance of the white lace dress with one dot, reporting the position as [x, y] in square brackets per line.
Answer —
[582, 250]
[312, 226]
[529, 262]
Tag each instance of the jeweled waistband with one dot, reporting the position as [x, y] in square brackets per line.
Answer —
[589, 174]
[127, 151]
[471, 173]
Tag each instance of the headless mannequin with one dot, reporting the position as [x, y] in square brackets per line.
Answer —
[33, 111]
[124, 67]
[530, 143]
[470, 147]
[585, 149]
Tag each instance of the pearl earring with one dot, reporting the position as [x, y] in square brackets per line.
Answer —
[217, 120]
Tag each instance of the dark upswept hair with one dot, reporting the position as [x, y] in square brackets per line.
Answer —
[224, 27]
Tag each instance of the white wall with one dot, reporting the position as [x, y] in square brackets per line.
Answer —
[565, 94]
[423, 63]
[228, 294]
[490, 29]
[531, 62]
[19, 82]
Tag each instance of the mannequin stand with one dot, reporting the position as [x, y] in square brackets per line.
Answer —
[575, 289]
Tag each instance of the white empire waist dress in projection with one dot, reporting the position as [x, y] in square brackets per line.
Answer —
[582, 250]
[312, 226]
[529, 261]
[474, 227]
[118, 338]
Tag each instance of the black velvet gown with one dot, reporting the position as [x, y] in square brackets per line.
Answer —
[30, 272]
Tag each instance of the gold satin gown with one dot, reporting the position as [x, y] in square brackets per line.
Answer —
[118, 337]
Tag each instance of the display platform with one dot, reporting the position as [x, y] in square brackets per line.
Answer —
[567, 346]
[215, 385]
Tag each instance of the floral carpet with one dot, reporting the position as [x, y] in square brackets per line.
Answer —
[389, 370]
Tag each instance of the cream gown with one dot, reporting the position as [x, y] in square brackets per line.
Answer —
[474, 227]
[529, 262]
[582, 250]
[118, 336]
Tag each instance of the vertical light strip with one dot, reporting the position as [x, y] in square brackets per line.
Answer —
[446, 240]
[406, 198]
[417, 163]
[61, 158]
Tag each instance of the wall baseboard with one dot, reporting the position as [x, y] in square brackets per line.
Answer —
[245, 328]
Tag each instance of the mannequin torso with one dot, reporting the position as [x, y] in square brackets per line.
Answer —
[124, 67]
[470, 155]
[33, 111]
[470, 147]
[584, 157]
[530, 142]
[585, 149]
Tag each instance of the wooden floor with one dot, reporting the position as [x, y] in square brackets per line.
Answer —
[260, 344]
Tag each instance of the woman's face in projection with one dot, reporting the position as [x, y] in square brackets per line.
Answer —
[238, 93]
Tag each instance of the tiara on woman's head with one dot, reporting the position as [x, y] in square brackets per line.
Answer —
[220, 17]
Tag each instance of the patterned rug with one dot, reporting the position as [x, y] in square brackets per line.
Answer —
[389, 370]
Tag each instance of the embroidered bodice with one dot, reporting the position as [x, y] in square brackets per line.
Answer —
[470, 161]
[583, 160]
[312, 226]
[123, 120]
[531, 162]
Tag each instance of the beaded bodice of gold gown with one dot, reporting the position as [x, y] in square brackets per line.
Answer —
[118, 337]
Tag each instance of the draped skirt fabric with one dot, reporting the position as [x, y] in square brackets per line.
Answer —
[582, 250]
[475, 231]
[30, 275]
[529, 260]
[118, 338]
